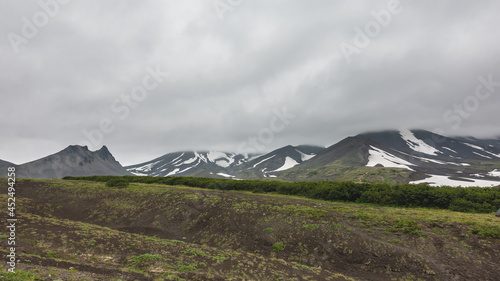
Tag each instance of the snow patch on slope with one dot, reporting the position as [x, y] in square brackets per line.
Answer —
[441, 162]
[437, 180]
[447, 148]
[378, 156]
[200, 156]
[173, 172]
[189, 161]
[494, 173]
[496, 155]
[225, 175]
[177, 158]
[417, 144]
[222, 163]
[474, 146]
[305, 157]
[263, 161]
[220, 158]
[481, 155]
[289, 163]
[214, 155]
[483, 150]
[147, 168]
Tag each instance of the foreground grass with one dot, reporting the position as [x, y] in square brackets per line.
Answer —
[369, 211]
[102, 249]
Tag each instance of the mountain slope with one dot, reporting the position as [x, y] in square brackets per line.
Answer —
[279, 160]
[457, 161]
[188, 163]
[434, 146]
[223, 164]
[404, 156]
[4, 165]
[73, 161]
[345, 161]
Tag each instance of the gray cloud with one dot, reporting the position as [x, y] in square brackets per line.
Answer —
[227, 77]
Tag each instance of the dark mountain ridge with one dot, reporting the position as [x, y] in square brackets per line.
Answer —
[74, 160]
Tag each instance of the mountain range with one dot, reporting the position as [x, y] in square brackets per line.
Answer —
[403, 156]
[224, 164]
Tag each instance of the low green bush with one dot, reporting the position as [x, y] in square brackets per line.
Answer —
[492, 232]
[118, 183]
[278, 247]
[472, 199]
[145, 260]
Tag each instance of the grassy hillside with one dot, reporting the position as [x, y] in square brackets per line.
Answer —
[77, 230]
[473, 199]
[339, 172]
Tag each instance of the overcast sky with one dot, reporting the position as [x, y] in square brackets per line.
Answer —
[329, 68]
